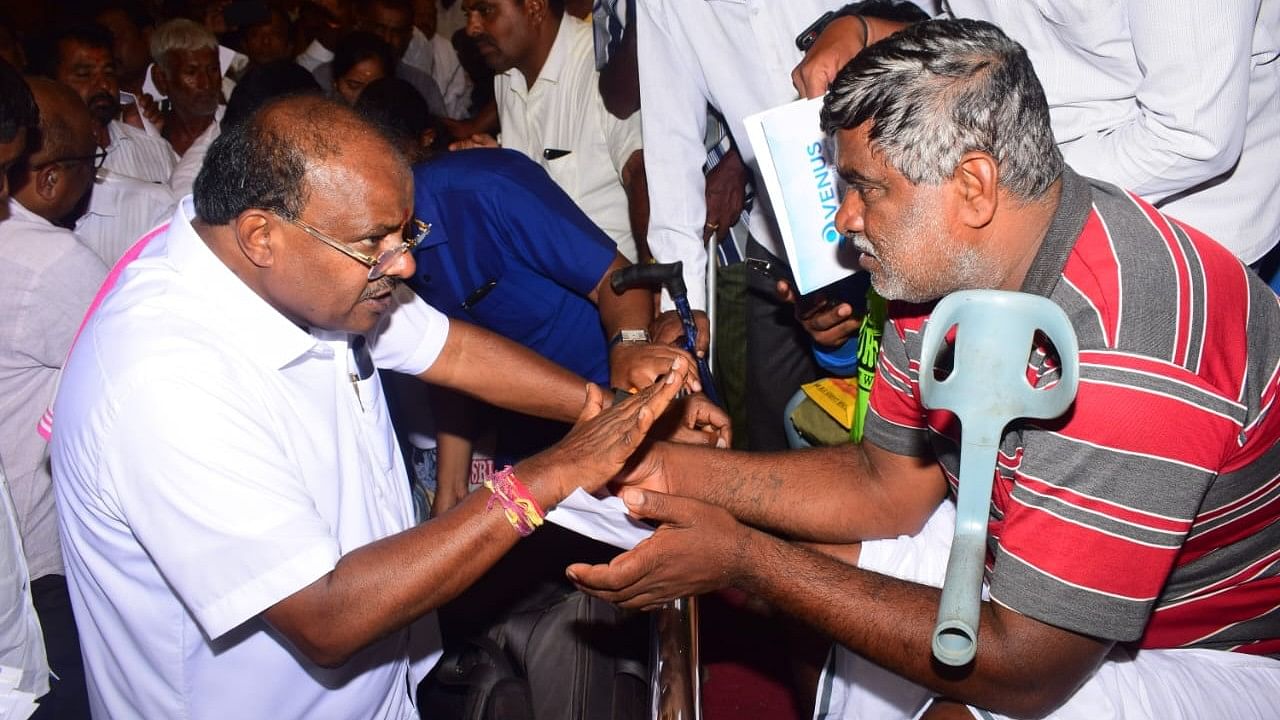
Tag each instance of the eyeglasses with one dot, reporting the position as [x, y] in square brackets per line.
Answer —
[377, 266]
[98, 158]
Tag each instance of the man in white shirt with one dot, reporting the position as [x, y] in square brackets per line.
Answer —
[434, 54]
[131, 190]
[47, 278]
[188, 72]
[230, 488]
[24, 669]
[550, 109]
[392, 22]
[329, 20]
[1177, 101]
[736, 57]
[81, 58]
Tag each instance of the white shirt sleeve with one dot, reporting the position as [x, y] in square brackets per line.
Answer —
[1191, 101]
[622, 136]
[454, 82]
[674, 98]
[410, 337]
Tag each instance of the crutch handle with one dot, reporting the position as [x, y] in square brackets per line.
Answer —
[666, 275]
[987, 388]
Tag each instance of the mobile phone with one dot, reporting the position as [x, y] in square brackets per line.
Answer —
[809, 35]
[852, 289]
[771, 269]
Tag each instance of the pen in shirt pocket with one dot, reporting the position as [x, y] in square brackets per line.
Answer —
[553, 153]
[478, 294]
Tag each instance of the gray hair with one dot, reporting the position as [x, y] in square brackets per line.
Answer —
[180, 34]
[941, 88]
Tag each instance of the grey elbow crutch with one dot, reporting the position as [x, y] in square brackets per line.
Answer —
[986, 389]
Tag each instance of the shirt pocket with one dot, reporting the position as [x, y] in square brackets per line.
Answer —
[566, 171]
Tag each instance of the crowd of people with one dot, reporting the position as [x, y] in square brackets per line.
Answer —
[309, 321]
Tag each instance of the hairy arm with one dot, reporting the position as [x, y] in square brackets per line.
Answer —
[500, 372]
[831, 495]
[1024, 667]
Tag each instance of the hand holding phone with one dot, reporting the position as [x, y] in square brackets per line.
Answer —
[832, 314]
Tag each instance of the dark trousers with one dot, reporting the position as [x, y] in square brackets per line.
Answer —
[68, 698]
[779, 357]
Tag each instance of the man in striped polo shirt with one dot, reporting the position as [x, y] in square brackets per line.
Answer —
[1134, 542]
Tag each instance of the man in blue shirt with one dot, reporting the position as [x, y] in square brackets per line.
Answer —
[510, 251]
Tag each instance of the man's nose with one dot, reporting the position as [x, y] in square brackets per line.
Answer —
[404, 266]
[849, 216]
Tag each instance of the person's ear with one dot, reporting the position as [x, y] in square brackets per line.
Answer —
[258, 236]
[427, 139]
[47, 179]
[535, 9]
[977, 184]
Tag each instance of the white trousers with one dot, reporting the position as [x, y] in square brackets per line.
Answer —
[1154, 684]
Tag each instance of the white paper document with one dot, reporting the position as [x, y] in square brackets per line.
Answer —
[604, 519]
[797, 164]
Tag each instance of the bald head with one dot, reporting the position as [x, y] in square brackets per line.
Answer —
[59, 170]
[268, 162]
[66, 127]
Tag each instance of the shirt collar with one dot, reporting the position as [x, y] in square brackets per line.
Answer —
[426, 208]
[265, 335]
[1074, 207]
[18, 211]
[553, 66]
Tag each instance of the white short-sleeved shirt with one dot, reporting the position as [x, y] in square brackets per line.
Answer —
[436, 57]
[211, 458]
[47, 280]
[136, 154]
[1177, 101]
[564, 111]
[121, 210]
[24, 670]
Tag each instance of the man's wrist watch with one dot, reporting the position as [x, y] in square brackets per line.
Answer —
[629, 336]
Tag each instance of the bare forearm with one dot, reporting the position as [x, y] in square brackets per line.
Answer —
[628, 310]
[381, 587]
[1023, 668]
[834, 494]
[636, 183]
[502, 373]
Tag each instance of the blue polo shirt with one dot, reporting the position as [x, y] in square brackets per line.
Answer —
[510, 252]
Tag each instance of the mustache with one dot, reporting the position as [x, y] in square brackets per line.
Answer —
[102, 98]
[380, 287]
[857, 241]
